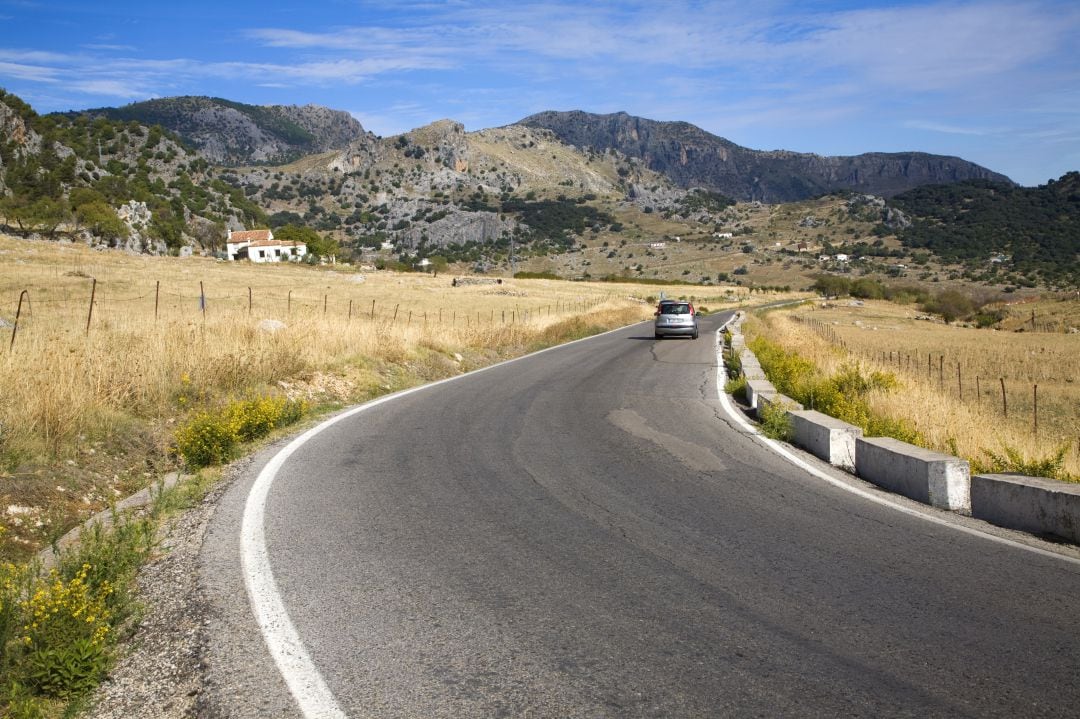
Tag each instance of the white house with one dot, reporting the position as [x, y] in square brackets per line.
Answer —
[260, 246]
[657, 245]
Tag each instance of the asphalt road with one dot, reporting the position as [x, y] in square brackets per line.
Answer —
[582, 533]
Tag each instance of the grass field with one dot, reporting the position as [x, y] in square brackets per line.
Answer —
[953, 377]
[91, 395]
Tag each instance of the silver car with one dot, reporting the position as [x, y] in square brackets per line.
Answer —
[675, 318]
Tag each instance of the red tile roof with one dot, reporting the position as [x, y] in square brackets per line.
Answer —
[250, 236]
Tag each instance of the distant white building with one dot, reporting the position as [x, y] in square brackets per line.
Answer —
[657, 245]
[720, 235]
[260, 246]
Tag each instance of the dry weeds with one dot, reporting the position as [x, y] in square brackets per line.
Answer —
[952, 376]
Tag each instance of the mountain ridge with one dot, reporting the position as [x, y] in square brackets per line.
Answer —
[235, 133]
[693, 157]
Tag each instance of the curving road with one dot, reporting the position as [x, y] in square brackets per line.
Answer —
[583, 533]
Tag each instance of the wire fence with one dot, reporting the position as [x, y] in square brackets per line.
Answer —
[946, 374]
[65, 306]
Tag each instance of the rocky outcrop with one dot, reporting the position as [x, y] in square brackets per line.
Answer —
[233, 133]
[693, 157]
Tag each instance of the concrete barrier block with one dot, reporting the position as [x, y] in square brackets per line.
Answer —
[768, 399]
[1030, 504]
[825, 437]
[937, 479]
[756, 374]
[755, 388]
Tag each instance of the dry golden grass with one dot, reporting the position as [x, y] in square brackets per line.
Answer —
[952, 376]
[89, 401]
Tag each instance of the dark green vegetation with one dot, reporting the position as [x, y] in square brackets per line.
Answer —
[1000, 232]
[81, 170]
[235, 133]
[951, 304]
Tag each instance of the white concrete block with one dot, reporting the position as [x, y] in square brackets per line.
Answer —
[755, 388]
[769, 399]
[825, 437]
[937, 479]
[1031, 504]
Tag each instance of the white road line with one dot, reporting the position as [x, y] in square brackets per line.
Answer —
[306, 684]
[802, 464]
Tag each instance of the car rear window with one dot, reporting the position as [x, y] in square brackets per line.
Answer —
[675, 309]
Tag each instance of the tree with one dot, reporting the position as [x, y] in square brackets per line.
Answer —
[316, 246]
[43, 214]
[438, 263]
[101, 220]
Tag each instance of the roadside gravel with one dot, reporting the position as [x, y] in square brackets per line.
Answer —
[162, 668]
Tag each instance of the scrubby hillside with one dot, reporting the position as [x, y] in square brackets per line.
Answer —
[1030, 234]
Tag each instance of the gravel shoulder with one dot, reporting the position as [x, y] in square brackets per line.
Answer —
[161, 673]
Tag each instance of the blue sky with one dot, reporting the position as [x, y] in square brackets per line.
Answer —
[997, 83]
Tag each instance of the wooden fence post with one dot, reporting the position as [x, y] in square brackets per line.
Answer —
[90, 314]
[1004, 402]
[157, 297]
[18, 311]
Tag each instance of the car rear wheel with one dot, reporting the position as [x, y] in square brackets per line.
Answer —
[658, 336]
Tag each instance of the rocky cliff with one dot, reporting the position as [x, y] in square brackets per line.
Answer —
[692, 157]
[233, 133]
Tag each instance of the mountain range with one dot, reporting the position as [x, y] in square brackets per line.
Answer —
[572, 193]
[692, 157]
[232, 133]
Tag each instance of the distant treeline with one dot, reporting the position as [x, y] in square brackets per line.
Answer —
[1030, 231]
[950, 304]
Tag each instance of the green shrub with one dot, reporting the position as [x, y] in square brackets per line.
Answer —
[736, 387]
[65, 635]
[842, 395]
[207, 438]
[1011, 460]
[775, 422]
[211, 437]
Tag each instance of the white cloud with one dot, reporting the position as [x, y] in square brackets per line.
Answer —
[943, 46]
[110, 88]
[32, 73]
[950, 129]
